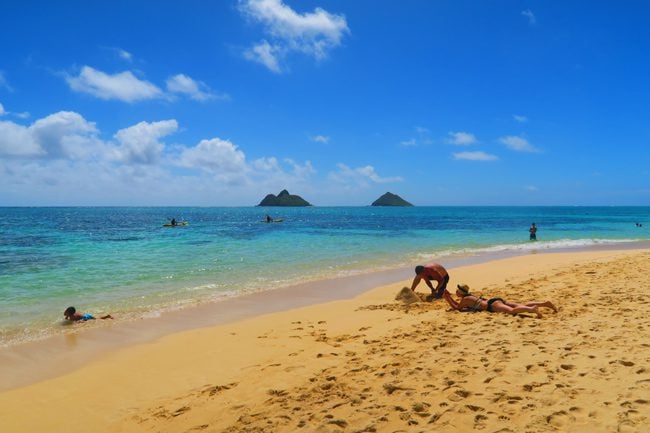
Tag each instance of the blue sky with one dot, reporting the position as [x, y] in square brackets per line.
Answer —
[220, 103]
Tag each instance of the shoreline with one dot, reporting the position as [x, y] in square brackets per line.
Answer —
[370, 363]
[35, 361]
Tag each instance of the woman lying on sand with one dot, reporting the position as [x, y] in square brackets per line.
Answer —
[469, 302]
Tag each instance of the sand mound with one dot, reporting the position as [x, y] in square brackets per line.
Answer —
[407, 296]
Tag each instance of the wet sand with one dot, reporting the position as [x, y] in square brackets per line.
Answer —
[371, 363]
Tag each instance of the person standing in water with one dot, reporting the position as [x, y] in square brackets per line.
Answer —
[533, 232]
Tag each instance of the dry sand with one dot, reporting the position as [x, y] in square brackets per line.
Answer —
[374, 364]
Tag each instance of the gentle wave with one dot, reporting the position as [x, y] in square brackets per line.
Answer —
[535, 246]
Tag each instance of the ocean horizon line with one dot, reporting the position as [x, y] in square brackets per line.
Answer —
[329, 206]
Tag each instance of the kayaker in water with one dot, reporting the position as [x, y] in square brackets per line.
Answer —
[174, 221]
[269, 219]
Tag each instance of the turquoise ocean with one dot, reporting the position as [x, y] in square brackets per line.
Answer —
[123, 260]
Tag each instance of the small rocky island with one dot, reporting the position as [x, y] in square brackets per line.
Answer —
[284, 199]
[390, 199]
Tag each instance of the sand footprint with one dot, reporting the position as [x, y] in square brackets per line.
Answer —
[627, 427]
[459, 395]
[271, 365]
[212, 390]
[479, 421]
[567, 367]
[560, 419]
[421, 409]
[181, 411]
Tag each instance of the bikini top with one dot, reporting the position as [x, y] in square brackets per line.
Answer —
[476, 306]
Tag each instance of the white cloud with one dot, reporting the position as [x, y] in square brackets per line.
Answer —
[531, 188]
[215, 156]
[123, 86]
[227, 164]
[3, 112]
[409, 143]
[64, 134]
[265, 54]
[266, 164]
[370, 173]
[3, 82]
[60, 160]
[475, 156]
[312, 33]
[140, 143]
[301, 171]
[324, 139]
[121, 53]
[183, 84]
[462, 138]
[530, 15]
[17, 140]
[360, 177]
[124, 55]
[268, 171]
[518, 144]
[520, 119]
[77, 182]
[421, 138]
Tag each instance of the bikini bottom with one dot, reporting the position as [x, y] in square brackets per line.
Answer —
[492, 301]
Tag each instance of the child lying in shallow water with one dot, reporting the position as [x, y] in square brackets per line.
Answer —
[71, 314]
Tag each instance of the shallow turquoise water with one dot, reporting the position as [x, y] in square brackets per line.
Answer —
[121, 260]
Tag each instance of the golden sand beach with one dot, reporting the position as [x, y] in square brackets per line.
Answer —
[376, 364]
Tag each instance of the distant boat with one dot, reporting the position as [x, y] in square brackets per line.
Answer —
[272, 221]
[180, 223]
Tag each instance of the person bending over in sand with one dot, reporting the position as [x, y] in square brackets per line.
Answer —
[71, 314]
[431, 271]
[469, 302]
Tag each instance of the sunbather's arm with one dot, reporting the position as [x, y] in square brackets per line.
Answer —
[451, 301]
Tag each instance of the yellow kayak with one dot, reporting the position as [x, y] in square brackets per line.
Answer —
[180, 223]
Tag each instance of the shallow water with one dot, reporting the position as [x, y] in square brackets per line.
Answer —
[123, 261]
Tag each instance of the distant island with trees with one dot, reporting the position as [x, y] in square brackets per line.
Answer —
[390, 199]
[284, 199]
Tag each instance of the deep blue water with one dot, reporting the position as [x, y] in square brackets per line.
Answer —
[123, 261]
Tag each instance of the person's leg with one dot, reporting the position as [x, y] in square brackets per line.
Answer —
[514, 309]
[547, 304]
[442, 288]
